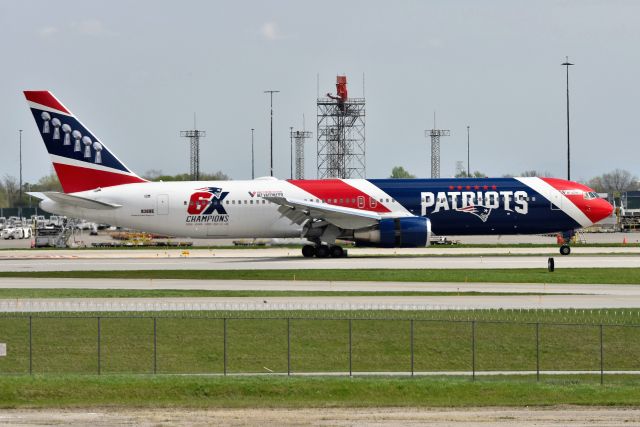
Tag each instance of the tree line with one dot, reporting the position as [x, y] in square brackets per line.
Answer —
[10, 196]
[615, 182]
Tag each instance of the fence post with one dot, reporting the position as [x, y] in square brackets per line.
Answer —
[224, 345]
[601, 356]
[537, 351]
[411, 338]
[350, 351]
[30, 345]
[155, 347]
[99, 355]
[288, 346]
[473, 349]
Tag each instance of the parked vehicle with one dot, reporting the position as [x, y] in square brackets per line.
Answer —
[16, 233]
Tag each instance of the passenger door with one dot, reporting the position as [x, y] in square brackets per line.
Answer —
[163, 204]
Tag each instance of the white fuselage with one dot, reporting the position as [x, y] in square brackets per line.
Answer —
[163, 208]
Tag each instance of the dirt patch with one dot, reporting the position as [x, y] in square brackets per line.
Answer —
[325, 417]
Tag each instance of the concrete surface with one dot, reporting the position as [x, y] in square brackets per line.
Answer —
[263, 261]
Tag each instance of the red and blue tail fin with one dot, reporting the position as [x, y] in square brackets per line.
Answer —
[82, 162]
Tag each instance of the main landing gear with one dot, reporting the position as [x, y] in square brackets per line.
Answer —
[323, 251]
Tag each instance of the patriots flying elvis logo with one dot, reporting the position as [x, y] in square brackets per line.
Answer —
[481, 212]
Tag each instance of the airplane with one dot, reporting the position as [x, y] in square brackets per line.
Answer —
[97, 186]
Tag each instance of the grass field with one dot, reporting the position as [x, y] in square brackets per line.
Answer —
[259, 392]
[254, 344]
[565, 275]
[64, 353]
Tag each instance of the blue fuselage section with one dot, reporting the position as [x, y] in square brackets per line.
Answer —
[466, 206]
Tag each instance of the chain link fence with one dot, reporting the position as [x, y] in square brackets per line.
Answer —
[313, 346]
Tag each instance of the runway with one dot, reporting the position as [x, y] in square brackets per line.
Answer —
[555, 296]
[260, 262]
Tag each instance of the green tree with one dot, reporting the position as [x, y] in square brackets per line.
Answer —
[400, 172]
[157, 175]
[475, 174]
[614, 182]
[46, 183]
[533, 172]
[10, 190]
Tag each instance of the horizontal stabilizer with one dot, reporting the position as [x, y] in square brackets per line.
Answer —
[76, 201]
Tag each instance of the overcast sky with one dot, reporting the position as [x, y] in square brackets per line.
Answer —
[134, 72]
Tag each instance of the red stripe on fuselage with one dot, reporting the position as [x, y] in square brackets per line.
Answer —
[332, 191]
[77, 178]
[45, 98]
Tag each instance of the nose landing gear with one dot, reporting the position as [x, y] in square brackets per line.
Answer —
[565, 250]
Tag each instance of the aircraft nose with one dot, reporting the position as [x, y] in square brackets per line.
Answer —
[597, 210]
[604, 209]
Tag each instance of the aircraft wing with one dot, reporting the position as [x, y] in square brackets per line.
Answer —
[299, 211]
[75, 201]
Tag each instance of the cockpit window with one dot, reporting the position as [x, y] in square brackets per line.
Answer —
[590, 195]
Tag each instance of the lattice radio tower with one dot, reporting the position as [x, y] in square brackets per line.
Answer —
[341, 134]
[435, 135]
[300, 137]
[194, 136]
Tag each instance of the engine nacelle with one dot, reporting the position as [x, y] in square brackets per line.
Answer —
[411, 232]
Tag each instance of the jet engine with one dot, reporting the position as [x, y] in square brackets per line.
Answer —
[411, 232]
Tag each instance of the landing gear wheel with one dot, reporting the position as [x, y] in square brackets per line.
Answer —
[322, 251]
[336, 251]
[308, 251]
[565, 250]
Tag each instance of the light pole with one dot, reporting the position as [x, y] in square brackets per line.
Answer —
[253, 173]
[566, 64]
[20, 143]
[468, 166]
[271, 92]
[291, 149]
